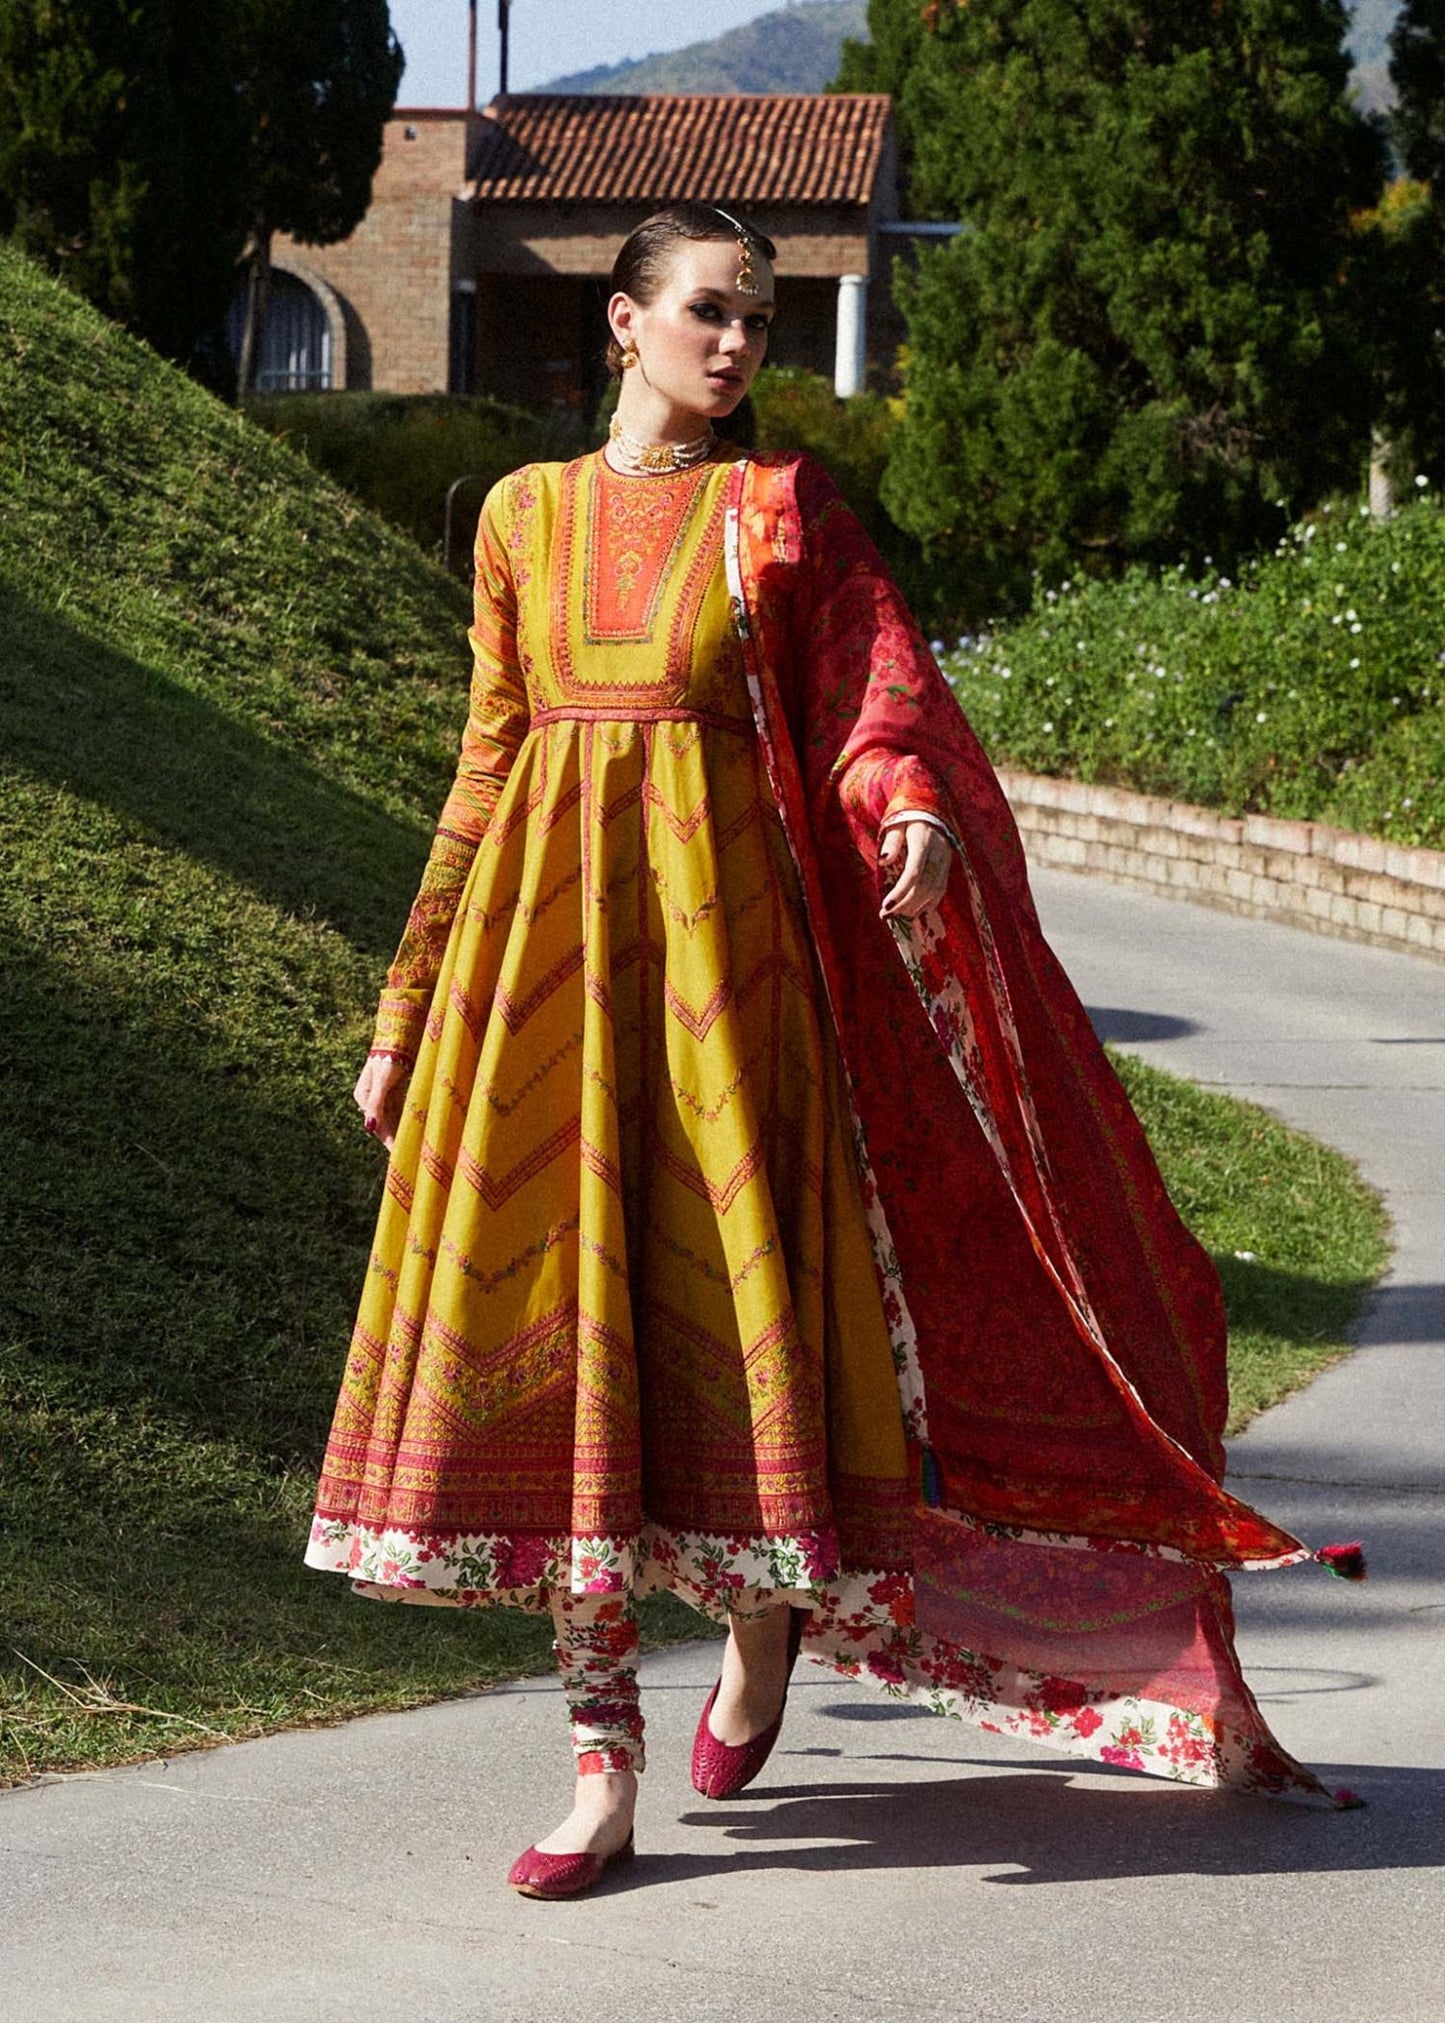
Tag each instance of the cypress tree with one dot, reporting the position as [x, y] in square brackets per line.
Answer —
[317, 81]
[896, 29]
[148, 145]
[1402, 254]
[1142, 344]
[121, 156]
[1417, 71]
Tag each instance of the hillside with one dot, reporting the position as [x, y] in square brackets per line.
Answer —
[229, 702]
[795, 49]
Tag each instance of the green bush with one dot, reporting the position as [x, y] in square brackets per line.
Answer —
[1310, 688]
[399, 453]
[798, 410]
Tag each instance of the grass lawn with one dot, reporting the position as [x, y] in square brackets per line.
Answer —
[230, 701]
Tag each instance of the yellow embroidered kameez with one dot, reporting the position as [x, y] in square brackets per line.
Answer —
[622, 1325]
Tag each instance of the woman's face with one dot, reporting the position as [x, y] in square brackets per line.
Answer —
[700, 341]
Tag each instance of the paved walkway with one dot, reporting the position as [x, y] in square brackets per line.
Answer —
[891, 1864]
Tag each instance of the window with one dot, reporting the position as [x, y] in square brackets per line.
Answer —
[296, 343]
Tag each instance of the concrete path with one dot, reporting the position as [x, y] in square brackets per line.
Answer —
[890, 1864]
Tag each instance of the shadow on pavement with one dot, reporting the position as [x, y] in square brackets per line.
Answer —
[1402, 1313]
[1115, 1022]
[1040, 1829]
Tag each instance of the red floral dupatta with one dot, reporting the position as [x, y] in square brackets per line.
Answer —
[1060, 1334]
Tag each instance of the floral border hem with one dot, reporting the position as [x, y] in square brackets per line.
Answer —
[862, 1627]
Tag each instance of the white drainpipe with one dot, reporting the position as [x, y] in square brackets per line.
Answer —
[852, 352]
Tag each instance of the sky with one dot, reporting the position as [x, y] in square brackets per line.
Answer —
[550, 38]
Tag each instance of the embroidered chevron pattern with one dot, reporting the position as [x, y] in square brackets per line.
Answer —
[683, 827]
[606, 1170]
[504, 1106]
[496, 1191]
[590, 1325]
[708, 1113]
[515, 1012]
[615, 1264]
[530, 1253]
[704, 1267]
[718, 1195]
[467, 1009]
[513, 906]
[699, 1023]
[440, 1169]
[609, 812]
[688, 920]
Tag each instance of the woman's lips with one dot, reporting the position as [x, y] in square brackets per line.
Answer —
[726, 375]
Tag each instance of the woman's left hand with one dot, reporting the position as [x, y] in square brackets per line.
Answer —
[915, 856]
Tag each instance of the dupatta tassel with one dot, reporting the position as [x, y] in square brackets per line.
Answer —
[1345, 1562]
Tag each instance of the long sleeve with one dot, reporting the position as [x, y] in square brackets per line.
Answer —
[497, 720]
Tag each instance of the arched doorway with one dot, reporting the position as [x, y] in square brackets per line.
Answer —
[296, 348]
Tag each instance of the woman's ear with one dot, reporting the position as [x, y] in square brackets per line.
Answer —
[621, 315]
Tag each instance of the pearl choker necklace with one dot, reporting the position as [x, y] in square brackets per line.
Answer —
[636, 458]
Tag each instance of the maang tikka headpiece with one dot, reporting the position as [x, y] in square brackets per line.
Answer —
[747, 280]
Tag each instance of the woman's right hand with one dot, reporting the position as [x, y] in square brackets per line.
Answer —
[380, 1092]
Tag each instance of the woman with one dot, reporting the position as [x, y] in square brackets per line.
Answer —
[762, 1220]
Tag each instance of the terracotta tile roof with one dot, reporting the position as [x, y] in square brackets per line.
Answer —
[803, 148]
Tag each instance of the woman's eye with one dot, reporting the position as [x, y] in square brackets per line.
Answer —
[707, 310]
[759, 322]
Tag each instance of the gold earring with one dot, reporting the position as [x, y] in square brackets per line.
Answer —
[629, 354]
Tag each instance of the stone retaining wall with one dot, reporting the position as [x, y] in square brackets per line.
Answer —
[1302, 872]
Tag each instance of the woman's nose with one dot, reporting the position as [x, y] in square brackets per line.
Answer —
[734, 337]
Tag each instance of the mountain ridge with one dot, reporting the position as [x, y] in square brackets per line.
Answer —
[797, 48]
[793, 49]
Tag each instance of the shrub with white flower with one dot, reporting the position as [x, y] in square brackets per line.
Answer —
[1257, 688]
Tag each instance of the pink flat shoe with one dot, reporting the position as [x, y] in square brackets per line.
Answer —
[721, 1769]
[551, 1876]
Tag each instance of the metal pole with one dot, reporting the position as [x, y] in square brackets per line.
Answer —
[1382, 491]
[504, 9]
[472, 57]
[471, 478]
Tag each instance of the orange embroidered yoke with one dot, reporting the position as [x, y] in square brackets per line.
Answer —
[623, 1324]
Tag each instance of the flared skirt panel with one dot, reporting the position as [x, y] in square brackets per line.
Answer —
[622, 1276]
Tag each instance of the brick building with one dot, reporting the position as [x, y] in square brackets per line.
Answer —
[482, 263]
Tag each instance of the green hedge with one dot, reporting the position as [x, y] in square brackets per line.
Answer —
[398, 453]
[798, 410]
[1311, 688]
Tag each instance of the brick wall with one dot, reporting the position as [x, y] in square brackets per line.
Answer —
[528, 238]
[394, 274]
[1304, 872]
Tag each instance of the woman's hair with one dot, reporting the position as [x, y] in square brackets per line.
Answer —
[642, 263]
